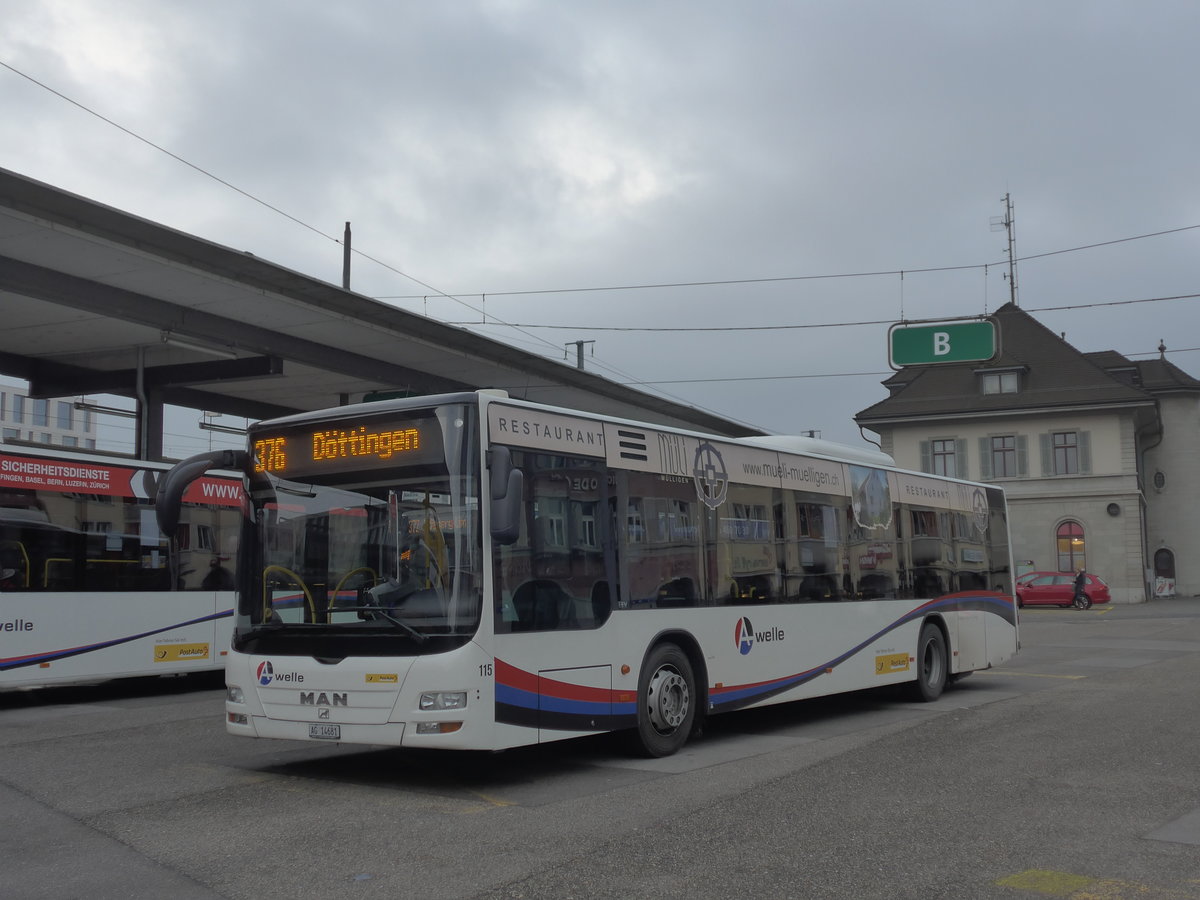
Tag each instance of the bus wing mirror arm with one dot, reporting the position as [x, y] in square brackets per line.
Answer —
[508, 491]
[169, 499]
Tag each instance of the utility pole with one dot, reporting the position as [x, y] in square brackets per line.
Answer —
[346, 258]
[579, 352]
[1009, 225]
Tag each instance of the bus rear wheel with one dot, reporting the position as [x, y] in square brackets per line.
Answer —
[932, 668]
[666, 701]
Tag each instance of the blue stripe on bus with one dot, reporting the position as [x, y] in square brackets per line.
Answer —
[736, 697]
[18, 662]
[518, 706]
[516, 697]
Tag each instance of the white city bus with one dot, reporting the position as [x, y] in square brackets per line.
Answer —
[475, 572]
[89, 587]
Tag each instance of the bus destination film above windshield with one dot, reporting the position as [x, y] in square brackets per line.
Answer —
[346, 445]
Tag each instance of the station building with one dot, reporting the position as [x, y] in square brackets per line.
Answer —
[1096, 452]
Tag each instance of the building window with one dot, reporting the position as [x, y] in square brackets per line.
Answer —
[942, 456]
[1071, 546]
[1004, 456]
[18, 414]
[1066, 453]
[41, 414]
[65, 411]
[1000, 382]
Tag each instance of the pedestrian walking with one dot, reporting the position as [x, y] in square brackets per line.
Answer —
[1082, 600]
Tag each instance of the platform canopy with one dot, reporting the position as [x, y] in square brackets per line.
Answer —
[98, 301]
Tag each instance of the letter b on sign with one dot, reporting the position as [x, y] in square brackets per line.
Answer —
[919, 345]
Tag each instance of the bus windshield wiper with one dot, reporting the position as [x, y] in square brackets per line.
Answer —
[295, 491]
[417, 636]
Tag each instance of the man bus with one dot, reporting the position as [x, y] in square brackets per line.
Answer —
[475, 572]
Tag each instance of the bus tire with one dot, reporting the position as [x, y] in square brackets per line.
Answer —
[932, 668]
[666, 701]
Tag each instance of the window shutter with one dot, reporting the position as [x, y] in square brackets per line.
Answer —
[926, 457]
[1022, 455]
[985, 458]
[1084, 438]
[1047, 454]
[960, 457]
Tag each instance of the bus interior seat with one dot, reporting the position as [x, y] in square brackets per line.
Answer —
[676, 592]
[539, 605]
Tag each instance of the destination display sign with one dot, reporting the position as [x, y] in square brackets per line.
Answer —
[345, 445]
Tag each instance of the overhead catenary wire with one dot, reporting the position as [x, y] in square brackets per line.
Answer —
[538, 341]
[817, 325]
[244, 193]
[873, 273]
[458, 297]
[233, 187]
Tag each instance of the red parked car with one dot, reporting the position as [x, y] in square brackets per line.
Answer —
[1058, 589]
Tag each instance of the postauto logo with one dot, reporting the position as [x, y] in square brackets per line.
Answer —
[744, 635]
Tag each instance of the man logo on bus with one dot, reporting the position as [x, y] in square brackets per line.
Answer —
[743, 635]
[265, 672]
[710, 475]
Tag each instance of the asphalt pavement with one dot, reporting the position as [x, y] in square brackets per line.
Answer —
[1073, 772]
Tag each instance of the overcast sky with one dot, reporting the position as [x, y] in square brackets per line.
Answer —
[500, 146]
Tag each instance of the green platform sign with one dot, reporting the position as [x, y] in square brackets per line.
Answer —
[942, 342]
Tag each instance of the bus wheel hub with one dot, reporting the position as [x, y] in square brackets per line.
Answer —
[668, 699]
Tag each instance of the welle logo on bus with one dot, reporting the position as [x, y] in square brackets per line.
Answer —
[266, 674]
[744, 635]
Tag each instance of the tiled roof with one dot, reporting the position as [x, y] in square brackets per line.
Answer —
[1053, 374]
[1163, 376]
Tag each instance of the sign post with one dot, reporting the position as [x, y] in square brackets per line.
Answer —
[942, 342]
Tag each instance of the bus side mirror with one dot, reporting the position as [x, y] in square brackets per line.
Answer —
[508, 492]
[169, 499]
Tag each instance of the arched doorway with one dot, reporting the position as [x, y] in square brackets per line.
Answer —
[1072, 555]
[1164, 573]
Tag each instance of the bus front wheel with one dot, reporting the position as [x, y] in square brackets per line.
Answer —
[932, 668]
[666, 701]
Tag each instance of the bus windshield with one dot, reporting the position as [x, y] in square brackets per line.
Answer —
[382, 544]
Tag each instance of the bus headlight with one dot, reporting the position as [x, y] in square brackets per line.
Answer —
[434, 700]
[233, 694]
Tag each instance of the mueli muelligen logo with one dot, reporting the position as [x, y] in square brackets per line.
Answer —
[744, 635]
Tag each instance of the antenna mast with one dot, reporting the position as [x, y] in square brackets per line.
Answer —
[1010, 227]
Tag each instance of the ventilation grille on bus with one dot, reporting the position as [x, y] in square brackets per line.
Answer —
[632, 444]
